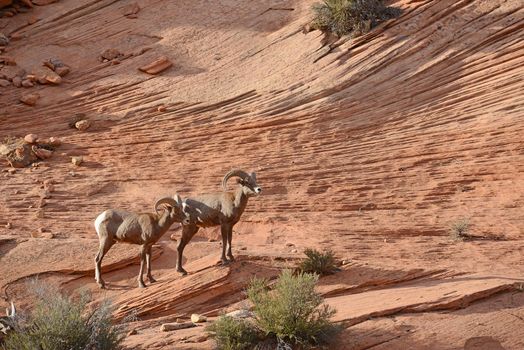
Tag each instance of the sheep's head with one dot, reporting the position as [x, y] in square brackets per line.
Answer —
[247, 181]
[176, 208]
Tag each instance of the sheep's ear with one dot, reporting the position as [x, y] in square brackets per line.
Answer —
[177, 199]
[184, 207]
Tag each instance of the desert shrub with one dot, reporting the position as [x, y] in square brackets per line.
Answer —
[233, 334]
[292, 312]
[459, 229]
[59, 322]
[354, 17]
[321, 263]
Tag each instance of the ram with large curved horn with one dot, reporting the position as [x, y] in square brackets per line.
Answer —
[7, 322]
[143, 229]
[222, 209]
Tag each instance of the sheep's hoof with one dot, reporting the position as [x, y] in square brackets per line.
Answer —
[101, 285]
[151, 279]
[231, 258]
[225, 262]
[182, 271]
[141, 285]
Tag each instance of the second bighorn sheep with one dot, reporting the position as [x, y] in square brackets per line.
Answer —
[143, 229]
[7, 322]
[218, 209]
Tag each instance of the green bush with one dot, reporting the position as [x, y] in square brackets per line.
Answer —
[233, 334]
[59, 322]
[355, 17]
[292, 311]
[318, 262]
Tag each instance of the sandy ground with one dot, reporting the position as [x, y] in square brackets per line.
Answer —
[370, 147]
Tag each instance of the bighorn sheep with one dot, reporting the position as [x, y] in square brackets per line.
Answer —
[7, 322]
[143, 229]
[218, 209]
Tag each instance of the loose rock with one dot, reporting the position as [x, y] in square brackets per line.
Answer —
[196, 318]
[17, 81]
[110, 54]
[27, 83]
[42, 153]
[157, 66]
[4, 82]
[8, 226]
[61, 71]
[83, 124]
[131, 9]
[175, 326]
[31, 138]
[29, 99]
[240, 314]
[77, 161]
[4, 40]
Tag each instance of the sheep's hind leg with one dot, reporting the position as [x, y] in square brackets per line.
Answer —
[148, 264]
[224, 230]
[141, 283]
[105, 245]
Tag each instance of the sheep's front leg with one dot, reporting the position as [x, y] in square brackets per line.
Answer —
[229, 239]
[148, 264]
[187, 233]
[224, 229]
[141, 283]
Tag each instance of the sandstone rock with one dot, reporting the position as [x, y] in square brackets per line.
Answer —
[240, 314]
[11, 171]
[31, 138]
[29, 99]
[166, 327]
[4, 82]
[53, 78]
[46, 75]
[42, 153]
[196, 318]
[52, 141]
[7, 60]
[8, 226]
[43, 2]
[161, 108]
[61, 71]
[131, 9]
[157, 66]
[77, 160]
[17, 81]
[27, 83]
[53, 63]
[83, 124]
[4, 40]
[294, 251]
[110, 54]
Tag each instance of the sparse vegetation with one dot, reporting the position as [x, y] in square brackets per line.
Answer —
[234, 334]
[354, 17]
[59, 322]
[459, 229]
[292, 312]
[321, 263]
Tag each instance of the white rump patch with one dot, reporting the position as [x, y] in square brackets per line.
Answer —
[98, 222]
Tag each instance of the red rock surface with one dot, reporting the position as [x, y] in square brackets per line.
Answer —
[372, 148]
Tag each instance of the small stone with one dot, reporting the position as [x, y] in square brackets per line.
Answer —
[4, 40]
[115, 62]
[43, 2]
[61, 71]
[196, 318]
[200, 338]
[175, 326]
[110, 54]
[240, 314]
[157, 66]
[77, 160]
[29, 99]
[55, 142]
[53, 78]
[290, 245]
[48, 235]
[11, 171]
[131, 9]
[4, 82]
[72, 174]
[83, 124]
[8, 226]
[17, 81]
[294, 251]
[42, 153]
[161, 108]
[27, 83]
[31, 138]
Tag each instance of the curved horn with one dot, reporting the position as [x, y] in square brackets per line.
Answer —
[13, 310]
[240, 173]
[166, 200]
